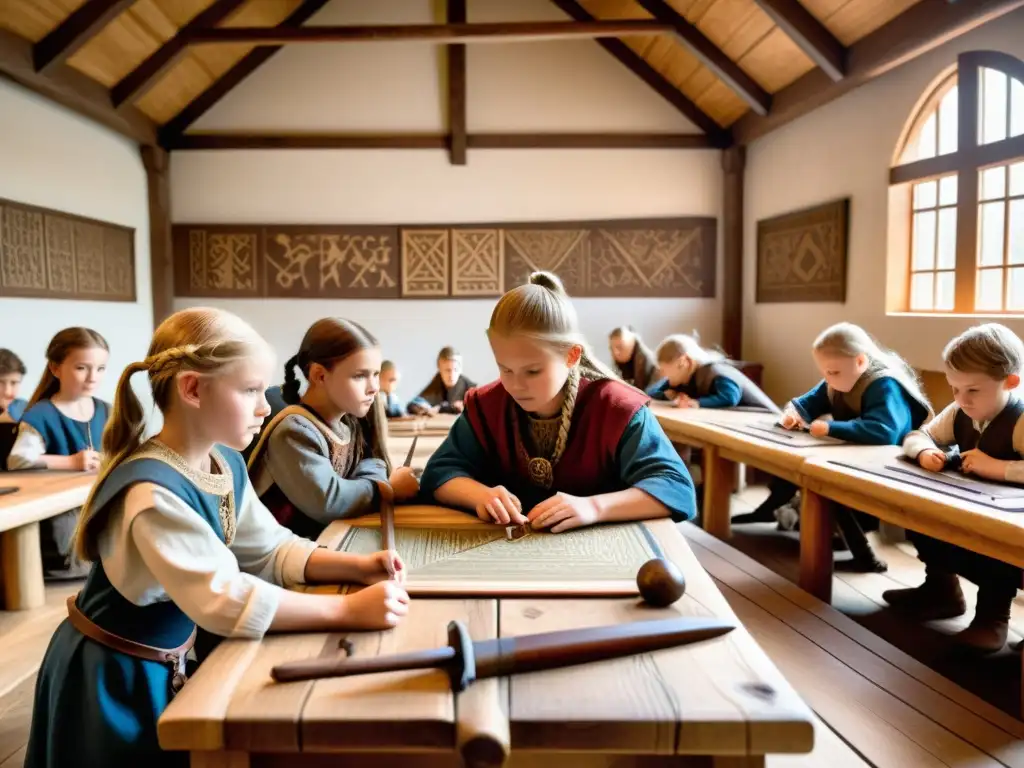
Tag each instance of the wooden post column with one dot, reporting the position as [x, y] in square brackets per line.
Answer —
[161, 266]
[733, 164]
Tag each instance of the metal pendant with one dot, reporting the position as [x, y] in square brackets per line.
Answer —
[541, 472]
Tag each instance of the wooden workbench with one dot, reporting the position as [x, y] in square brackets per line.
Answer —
[721, 702]
[41, 495]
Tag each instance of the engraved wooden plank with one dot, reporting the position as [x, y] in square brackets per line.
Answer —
[425, 262]
[214, 261]
[478, 262]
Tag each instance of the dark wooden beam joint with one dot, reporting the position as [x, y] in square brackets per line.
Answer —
[733, 166]
[456, 52]
[84, 23]
[161, 253]
[140, 79]
[711, 56]
[809, 34]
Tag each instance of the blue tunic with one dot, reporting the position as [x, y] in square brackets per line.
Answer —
[722, 393]
[95, 707]
[16, 409]
[888, 413]
[646, 461]
[64, 436]
[393, 406]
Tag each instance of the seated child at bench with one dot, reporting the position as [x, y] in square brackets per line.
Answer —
[632, 358]
[446, 392]
[319, 459]
[558, 441]
[982, 433]
[873, 398]
[394, 408]
[62, 428]
[694, 377]
[12, 371]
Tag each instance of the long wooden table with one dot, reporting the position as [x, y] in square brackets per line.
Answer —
[721, 702]
[40, 495]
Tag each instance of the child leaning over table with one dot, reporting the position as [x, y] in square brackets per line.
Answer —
[980, 433]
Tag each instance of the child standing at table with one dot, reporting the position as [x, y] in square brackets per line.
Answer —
[558, 440]
[12, 371]
[872, 397]
[632, 358]
[446, 392]
[320, 459]
[981, 433]
[179, 539]
[394, 408]
[695, 377]
[62, 428]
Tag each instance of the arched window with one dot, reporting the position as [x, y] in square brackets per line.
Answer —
[963, 160]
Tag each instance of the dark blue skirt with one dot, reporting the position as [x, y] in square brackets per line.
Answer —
[97, 708]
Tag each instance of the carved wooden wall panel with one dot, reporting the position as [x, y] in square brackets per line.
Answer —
[55, 255]
[801, 256]
[659, 257]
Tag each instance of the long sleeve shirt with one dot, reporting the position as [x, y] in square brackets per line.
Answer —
[722, 393]
[885, 418]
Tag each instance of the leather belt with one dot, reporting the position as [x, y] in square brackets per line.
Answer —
[175, 657]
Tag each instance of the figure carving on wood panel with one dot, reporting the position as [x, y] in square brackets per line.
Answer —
[648, 262]
[222, 262]
[425, 254]
[335, 262]
[478, 262]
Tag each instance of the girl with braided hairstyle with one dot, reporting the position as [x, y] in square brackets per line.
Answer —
[558, 441]
[178, 538]
[321, 457]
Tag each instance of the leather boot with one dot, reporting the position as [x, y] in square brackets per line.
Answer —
[939, 597]
[987, 632]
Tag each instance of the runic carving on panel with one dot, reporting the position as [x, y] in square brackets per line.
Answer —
[332, 263]
[667, 262]
[119, 268]
[478, 262]
[425, 256]
[24, 254]
[217, 263]
[562, 251]
[801, 256]
[89, 265]
[60, 254]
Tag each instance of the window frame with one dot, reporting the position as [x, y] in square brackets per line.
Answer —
[967, 162]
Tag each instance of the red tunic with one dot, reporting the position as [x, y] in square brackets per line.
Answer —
[589, 464]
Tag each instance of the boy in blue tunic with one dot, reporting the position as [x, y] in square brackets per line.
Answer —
[558, 441]
[394, 408]
[178, 538]
[12, 371]
[62, 428]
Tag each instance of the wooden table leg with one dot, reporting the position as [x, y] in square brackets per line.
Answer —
[719, 479]
[22, 563]
[816, 560]
[219, 759]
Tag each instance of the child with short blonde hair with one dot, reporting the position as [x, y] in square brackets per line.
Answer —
[632, 358]
[980, 433]
[558, 440]
[696, 377]
[178, 538]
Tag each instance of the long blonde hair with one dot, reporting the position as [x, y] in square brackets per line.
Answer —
[678, 344]
[990, 349]
[849, 340]
[57, 351]
[198, 339]
[542, 312]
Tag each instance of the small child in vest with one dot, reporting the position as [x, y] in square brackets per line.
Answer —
[981, 433]
[446, 392]
[558, 440]
[634, 361]
[12, 371]
[869, 396]
[394, 408]
[695, 377]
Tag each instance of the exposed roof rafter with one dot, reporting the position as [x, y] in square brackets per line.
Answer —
[809, 34]
[84, 23]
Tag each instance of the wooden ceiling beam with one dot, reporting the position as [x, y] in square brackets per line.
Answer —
[635, 63]
[711, 56]
[456, 14]
[440, 141]
[809, 34]
[245, 66]
[70, 88]
[142, 78]
[918, 30]
[505, 31]
[84, 23]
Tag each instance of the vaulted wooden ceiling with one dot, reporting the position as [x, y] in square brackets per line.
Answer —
[718, 61]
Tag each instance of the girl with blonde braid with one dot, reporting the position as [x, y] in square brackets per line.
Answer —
[558, 441]
[178, 540]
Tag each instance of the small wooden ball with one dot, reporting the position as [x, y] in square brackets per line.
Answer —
[660, 582]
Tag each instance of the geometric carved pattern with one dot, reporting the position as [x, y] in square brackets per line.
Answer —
[801, 256]
[478, 262]
[56, 255]
[425, 258]
[671, 257]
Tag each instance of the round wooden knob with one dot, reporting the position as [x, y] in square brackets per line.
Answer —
[660, 582]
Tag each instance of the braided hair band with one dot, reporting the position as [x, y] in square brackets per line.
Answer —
[541, 470]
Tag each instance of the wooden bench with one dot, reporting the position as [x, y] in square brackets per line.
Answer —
[40, 495]
[888, 707]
